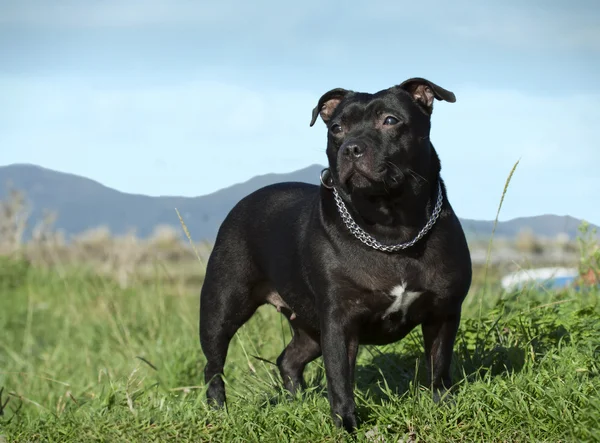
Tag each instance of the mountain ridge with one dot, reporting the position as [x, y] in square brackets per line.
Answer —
[82, 203]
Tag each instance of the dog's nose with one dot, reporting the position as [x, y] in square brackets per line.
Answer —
[354, 151]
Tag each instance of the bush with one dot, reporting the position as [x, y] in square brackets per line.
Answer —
[528, 243]
[13, 272]
[589, 251]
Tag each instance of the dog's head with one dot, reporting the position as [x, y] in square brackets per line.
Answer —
[378, 144]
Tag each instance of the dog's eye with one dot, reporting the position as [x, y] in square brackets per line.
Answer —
[389, 120]
[336, 129]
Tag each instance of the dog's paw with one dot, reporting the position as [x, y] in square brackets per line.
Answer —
[347, 421]
[443, 396]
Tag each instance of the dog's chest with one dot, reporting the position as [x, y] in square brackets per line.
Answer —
[401, 299]
[386, 315]
[388, 291]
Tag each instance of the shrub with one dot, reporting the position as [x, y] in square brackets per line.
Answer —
[589, 254]
[13, 271]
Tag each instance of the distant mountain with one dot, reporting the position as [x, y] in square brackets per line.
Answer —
[81, 204]
[548, 225]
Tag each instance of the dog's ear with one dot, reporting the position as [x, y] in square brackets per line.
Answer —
[327, 104]
[423, 92]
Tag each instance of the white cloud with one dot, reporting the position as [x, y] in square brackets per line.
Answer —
[524, 29]
[136, 13]
[512, 23]
[75, 13]
[509, 23]
[325, 31]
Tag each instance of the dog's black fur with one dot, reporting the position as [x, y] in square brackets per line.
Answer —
[287, 245]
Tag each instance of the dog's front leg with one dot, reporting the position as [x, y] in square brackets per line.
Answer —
[339, 342]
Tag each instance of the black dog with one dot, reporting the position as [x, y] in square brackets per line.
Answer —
[363, 259]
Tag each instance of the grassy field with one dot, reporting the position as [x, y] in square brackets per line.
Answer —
[83, 359]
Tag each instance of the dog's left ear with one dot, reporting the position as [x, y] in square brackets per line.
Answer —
[327, 104]
[424, 91]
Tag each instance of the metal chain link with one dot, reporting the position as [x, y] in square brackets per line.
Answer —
[370, 241]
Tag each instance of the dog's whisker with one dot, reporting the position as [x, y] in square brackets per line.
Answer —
[385, 187]
[417, 175]
[395, 167]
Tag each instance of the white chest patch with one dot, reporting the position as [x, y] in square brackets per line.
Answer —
[402, 299]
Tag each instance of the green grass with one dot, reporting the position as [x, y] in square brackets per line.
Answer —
[82, 360]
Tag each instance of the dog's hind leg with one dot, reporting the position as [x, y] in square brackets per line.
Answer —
[224, 307]
[302, 349]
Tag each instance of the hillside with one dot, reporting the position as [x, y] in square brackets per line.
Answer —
[81, 204]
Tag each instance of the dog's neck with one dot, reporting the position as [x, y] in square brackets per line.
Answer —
[398, 219]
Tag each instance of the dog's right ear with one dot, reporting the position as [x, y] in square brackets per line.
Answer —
[327, 104]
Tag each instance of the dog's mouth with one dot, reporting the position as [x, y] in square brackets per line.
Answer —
[387, 180]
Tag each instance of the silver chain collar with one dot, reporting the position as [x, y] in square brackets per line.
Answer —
[368, 239]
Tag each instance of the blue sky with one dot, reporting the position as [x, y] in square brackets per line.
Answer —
[182, 97]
